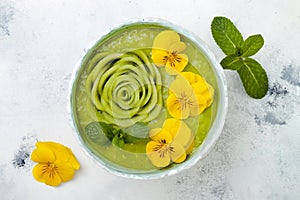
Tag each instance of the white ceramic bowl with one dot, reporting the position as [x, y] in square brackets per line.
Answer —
[214, 131]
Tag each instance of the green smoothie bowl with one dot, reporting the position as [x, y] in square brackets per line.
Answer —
[148, 100]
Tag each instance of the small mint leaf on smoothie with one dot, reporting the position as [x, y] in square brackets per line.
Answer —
[96, 133]
[254, 78]
[118, 141]
[226, 35]
[101, 133]
[139, 130]
[252, 45]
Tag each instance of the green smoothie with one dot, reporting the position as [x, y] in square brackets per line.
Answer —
[120, 95]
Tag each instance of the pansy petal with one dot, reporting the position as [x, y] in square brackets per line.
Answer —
[65, 154]
[53, 146]
[209, 96]
[154, 132]
[175, 109]
[52, 180]
[165, 38]
[180, 87]
[172, 125]
[189, 148]
[202, 103]
[176, 64]
[171, 70]
[191, 77]
[41, 174]
[153, 146]
[177, 152]
[65, 170]
[185, 112]
[60, 151]
[195, 109]
[184, 134]
[199, 104]
[200, 87]
[47, 144]
[179, 130]
[159, 161]
[158, 158]
[160, 134]
[177, 47]
[159, 57]
[73, 160]
[173, 105]
[42, 154]
[38, 171]
[181, 158]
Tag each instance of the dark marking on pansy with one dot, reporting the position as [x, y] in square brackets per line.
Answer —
[291, 74]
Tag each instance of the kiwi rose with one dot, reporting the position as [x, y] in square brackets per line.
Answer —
[124, 88]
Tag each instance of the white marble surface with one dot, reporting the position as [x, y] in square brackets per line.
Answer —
[258, 154]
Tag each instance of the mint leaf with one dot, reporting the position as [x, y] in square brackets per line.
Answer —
[232, 62]
[96, 133]
[252, 45]
[108, 130]
[254, 78]
[139, 130]
[226, 35]
[132, 139]
[101, 133]
[118, 141]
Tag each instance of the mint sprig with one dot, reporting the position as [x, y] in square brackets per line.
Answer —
[101, 133]
[238, 51]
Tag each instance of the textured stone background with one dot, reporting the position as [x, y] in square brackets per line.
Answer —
[258, 154]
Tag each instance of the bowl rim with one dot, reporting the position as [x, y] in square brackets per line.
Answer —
[215, 129]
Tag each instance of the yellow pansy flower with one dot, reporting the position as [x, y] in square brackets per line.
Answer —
[200, 86]
[56, 163]
[189, 95]
[166, 52]
[169, 143]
